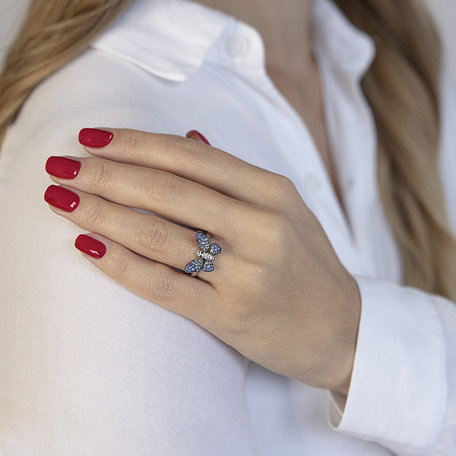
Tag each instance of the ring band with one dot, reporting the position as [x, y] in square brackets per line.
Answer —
[204, 256]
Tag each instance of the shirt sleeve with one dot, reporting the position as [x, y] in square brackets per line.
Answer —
[403, 388]
[86, 366]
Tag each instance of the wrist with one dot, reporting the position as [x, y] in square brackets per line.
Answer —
[348, 339]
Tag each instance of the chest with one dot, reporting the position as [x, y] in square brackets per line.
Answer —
[306, 97]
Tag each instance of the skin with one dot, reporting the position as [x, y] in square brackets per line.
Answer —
[279, 295]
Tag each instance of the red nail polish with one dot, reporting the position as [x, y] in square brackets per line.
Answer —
[93, 137]
[63, 167]
[89, 245]
[197, 133]
[61, 198]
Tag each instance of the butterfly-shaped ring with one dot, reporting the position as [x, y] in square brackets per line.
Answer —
[204, 256]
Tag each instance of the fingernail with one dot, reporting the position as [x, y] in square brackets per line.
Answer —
[61, 198]
[193, 133]
[89, 245]
[63, 167]
[93, 137]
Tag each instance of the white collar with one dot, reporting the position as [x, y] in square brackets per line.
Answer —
[170, 38]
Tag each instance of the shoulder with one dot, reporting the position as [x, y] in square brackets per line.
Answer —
[93, 89]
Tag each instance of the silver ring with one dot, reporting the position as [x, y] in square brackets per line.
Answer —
[204, 256]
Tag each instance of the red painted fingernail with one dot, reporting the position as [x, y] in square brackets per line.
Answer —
[198, 134]
[63, 167]
[89, 245]
[93, 137]
[61, 198]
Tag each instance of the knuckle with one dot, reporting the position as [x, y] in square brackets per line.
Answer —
[103, 173]
[171, 143]
[164, 287]
[131, 142]
[172, 185]
[279, 189]
[95, 216]
[285, 182]
[121, 268]
[185, 150]
[194, 147]
[195, 153]
[153, 237]
[283, 187]
[166, 186]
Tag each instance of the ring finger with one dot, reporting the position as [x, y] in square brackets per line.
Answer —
[148, 235]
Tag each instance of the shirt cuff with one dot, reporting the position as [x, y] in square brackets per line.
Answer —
[398, 390]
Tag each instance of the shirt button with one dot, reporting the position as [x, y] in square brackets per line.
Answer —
[237, 46]
[311, 182]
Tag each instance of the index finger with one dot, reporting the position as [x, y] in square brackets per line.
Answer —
[191, 159]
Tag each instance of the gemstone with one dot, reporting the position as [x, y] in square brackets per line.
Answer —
[194, 265]
[202, 240]
[215, 249]
[208, 266]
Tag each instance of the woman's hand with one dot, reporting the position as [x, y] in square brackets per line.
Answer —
[278, 294]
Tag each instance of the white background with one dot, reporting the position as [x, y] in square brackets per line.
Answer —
[11, 12]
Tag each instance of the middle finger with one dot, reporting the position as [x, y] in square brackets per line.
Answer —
[172, 196]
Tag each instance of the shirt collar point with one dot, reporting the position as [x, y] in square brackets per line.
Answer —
[350, 49]
[160, 33]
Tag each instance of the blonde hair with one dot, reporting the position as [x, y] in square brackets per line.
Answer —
[402, 87]
[403, 90]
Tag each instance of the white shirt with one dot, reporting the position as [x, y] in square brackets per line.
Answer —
[87, 368]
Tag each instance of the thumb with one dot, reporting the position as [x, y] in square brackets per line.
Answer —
[197, 136]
